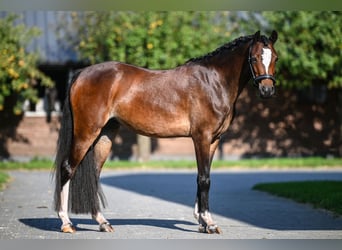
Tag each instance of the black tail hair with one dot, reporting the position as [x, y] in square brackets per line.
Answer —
[85, 189]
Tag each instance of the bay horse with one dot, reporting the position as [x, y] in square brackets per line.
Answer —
[196, 100]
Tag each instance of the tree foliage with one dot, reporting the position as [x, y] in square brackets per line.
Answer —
[309, 47]
[157, 40]
[18, 71]
[309, 44]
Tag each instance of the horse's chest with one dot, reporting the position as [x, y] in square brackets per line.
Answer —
[224, 124]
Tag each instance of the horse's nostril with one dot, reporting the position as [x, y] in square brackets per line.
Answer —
[265, 89]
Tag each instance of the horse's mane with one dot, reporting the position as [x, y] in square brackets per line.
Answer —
[226, 47]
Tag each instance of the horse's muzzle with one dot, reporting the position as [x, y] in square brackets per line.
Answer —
[266, 91]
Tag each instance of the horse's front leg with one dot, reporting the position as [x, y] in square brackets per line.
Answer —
[204, 154]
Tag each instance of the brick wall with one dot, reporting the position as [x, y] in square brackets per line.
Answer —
[35, 137]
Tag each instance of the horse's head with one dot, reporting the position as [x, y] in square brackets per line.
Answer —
[262, 61]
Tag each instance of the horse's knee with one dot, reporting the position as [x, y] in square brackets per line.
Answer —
[203, 183]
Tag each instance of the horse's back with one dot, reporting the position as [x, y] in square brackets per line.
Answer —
[152, 102]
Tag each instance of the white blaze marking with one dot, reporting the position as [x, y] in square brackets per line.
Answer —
[266, 58]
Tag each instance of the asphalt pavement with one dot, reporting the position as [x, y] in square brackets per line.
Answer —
[158, 204]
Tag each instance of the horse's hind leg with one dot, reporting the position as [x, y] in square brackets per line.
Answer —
[103, 147]
[67, 226]
[67, 172]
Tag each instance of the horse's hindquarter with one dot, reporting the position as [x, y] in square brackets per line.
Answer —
[153, 103]
[89, 98]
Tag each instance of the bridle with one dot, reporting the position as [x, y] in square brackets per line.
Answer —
[258, 79]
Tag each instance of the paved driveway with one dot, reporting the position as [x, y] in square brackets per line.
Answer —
[159, 204]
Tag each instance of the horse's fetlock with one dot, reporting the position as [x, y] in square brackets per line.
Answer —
[206, 219]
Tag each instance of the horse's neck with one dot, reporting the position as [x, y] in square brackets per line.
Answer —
[234, 68]
[245, 73]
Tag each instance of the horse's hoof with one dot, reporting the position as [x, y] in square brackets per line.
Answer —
[211, 229]
[69, 228]
[201, 228]
[106, 227]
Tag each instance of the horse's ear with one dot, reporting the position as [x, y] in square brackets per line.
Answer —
[257, 36]
[274, 36]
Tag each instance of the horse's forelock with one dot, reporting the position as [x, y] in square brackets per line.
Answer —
[265, 40]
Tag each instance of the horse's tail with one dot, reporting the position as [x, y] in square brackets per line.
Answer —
[85, 191]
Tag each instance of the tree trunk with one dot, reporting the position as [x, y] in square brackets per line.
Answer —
[8, 125]
[144, 148]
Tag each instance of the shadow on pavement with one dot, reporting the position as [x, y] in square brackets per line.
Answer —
[231, 196]
[51, 224]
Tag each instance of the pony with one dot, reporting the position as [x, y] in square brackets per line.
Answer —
[196, 100]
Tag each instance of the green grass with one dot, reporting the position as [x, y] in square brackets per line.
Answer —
[312, 162]
[320, 194]
[30, 165]
[282, 162]
[3, 179]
